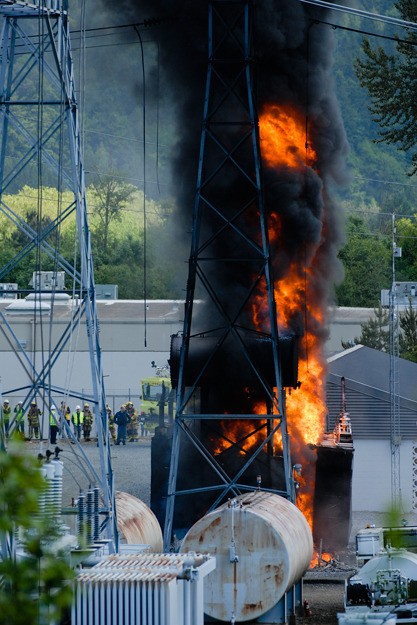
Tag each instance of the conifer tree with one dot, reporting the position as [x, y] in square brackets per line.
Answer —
[408, 335]
[391, 80]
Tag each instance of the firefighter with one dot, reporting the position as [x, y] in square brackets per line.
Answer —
[121, 419]
[77, 421]
[112, 427]
[20, 419]
[6, 416]
[53, 425]
[33, 420]
[87, 422]
[132, 426]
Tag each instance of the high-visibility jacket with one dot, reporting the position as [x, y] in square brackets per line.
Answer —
[78, 417]
[19, 415]
[53, 419]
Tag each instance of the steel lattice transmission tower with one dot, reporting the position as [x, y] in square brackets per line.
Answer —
[41, 145]
[229, 271]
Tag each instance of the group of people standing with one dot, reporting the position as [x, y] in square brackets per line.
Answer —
[80, 421]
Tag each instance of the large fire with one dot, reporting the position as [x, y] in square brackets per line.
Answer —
[284, 144]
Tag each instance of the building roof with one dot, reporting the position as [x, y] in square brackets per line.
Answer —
[368, 398]
[155, 311]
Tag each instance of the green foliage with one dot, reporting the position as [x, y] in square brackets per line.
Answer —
[36, 585]
[408, 336]
[117, 224]
[374, 332]
[390, 77]
[366, 260]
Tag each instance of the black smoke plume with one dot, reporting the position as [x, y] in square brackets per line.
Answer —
[293, 66]
[293, 53]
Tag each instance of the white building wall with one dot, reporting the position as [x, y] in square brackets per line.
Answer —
[371, 484]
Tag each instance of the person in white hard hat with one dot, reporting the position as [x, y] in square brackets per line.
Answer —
[53, 425]
[6, 414]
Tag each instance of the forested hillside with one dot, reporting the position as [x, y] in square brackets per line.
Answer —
[380, 183]
[129, 131]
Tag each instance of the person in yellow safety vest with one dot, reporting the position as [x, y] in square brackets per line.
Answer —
[77, 421]
[20, 419]
[53, 425]
[87, 422]
[33, 420]
[66, 416]
[6, 416]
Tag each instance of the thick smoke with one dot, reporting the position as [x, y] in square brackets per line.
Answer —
[293, 66]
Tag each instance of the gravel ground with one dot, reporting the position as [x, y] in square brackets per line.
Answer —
[325, 600]
[130, 465]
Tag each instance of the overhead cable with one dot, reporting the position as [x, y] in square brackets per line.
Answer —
[361, 13]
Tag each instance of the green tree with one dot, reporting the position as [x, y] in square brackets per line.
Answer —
[390, 78]
[36, 586]
[367, 263]
[375, 332]
[111, 197]
[408, 334]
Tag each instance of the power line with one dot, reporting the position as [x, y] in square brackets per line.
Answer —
[361, 13]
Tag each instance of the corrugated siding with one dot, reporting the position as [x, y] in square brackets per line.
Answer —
[370, 415]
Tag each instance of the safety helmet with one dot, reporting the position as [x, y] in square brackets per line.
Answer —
[86, 405]
[53, 408]
[19, 403]
[33, 403]
[78, 408]
[6, 401]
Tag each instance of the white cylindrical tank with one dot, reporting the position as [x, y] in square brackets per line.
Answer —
[403, 561]
[136, 523]
[263, 546]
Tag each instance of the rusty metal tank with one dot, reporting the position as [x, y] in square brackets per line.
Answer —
[136, 523]
[263, 546]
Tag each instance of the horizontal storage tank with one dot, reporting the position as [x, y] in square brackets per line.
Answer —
[263, 546]
[136, 523]
[397, 560]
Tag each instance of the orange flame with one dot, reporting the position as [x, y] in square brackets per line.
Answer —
[283, 144]
[283, 138]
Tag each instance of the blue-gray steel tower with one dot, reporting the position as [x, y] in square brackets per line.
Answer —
[41, 146]
[225, 365]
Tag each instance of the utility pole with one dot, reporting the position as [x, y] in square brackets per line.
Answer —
[394, 380]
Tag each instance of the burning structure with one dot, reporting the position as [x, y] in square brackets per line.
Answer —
[266, 230]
